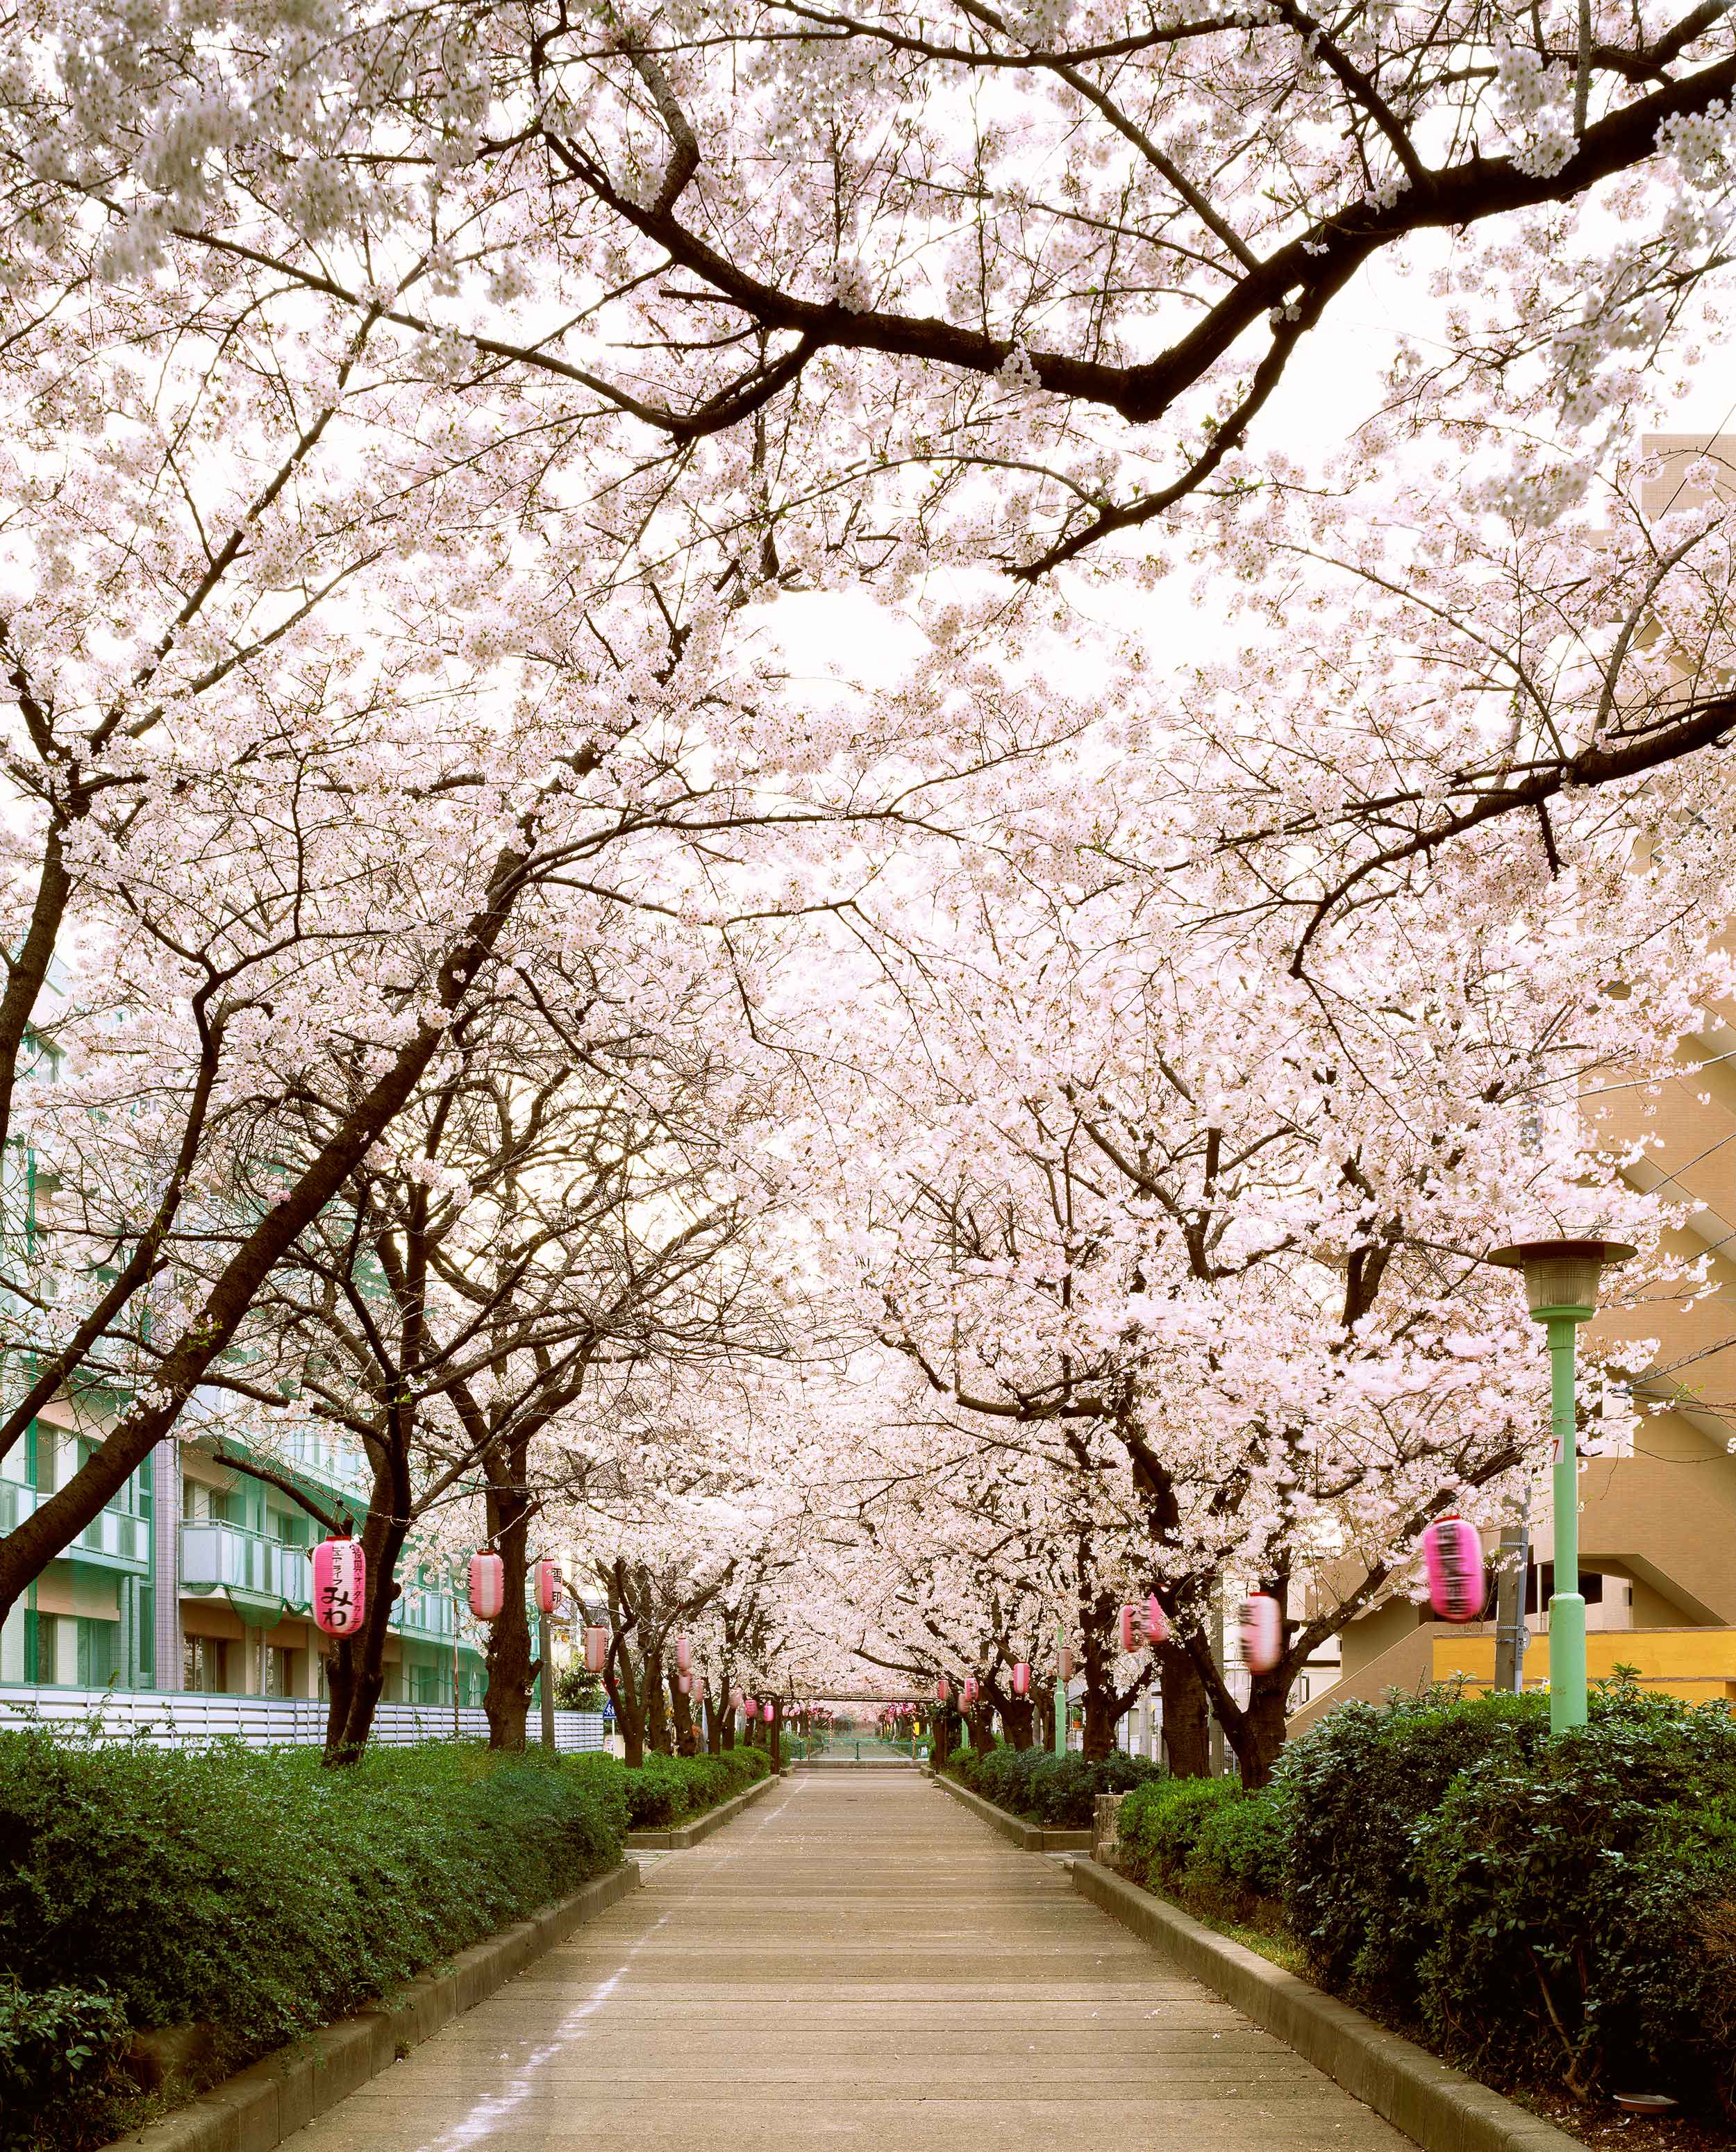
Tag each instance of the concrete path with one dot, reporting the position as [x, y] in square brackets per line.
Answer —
[856, 1961]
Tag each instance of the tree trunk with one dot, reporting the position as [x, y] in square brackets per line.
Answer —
[512, 1669]
[356, 1669]
[981, 1723]
[1258, 1734]
[1016, 1719]
[1101, 1716]
[657, 1705]
[681, 1712]
[621, 1679]
[774, 1744]
[1043, 1705]
[726, 1731]
[1187, 1723]
[713, 1728]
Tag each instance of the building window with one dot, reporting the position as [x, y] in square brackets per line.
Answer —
[147, 1636]
[280, 1672]
[204, 1665]
[98, 1654]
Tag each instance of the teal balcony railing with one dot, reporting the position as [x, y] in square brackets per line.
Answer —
[112, 1538]
[432, 1616]
[217, 1556]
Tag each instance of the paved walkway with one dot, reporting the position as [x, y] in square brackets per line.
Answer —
[856, 1961]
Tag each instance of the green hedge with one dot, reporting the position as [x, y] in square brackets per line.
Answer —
[1222, 1852]
[1545, 1910]
[1548, 1912]
[1059, 1791]
[251, 1891]
[663, 1789]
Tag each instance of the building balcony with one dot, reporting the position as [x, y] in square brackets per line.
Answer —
[250, 1568]
[113, 1540]
[432, 1617]
[262, 1576]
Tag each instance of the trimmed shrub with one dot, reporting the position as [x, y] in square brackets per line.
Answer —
[60, 2053]
[251, 1891]
[1582, 1909]
[663, 1789]
[1545, 1911]
[1360, 1782]
[1235, 1869]
[1158, 1823]
[1059, 1791]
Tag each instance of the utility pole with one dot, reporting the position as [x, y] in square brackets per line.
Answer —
[1217, 1653]
[1510, 1632]
[546, 1684]
[1060, 1691]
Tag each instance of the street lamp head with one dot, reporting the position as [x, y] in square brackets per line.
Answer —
[1560, 1276]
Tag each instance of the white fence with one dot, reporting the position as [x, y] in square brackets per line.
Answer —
[160, 1720]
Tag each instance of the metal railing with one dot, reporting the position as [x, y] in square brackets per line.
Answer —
[159, 1720]
[112, 1538]
[213, 1555]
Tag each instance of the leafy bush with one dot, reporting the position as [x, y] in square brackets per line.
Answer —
[1236, 1870]
[575, 1689]
[254, 1892]
[1576, 1907]
[1542, 1909]
[1158, 1824]
[1361, 1782]
[663, 1789]
[1059, 1791]
[60, 2051]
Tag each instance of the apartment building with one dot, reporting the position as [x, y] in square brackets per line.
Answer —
[1657, 1526]
[197, 1577]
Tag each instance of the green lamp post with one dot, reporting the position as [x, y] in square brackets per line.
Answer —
[1060, 1689]
[1560, 1290]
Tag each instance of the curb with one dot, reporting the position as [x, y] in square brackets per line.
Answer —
[260, 2106]
[1439, 2107]
[1031, 1836]
[683, 1835]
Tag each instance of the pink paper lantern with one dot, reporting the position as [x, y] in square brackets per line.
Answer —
[970, 1693]
[1261, 1626]
[340, 1586]
[1022, 1678]
[942, 1691]
[596, 1650]
[684, 1682]
[737, 1701]
[750, 1707]
[1133, 1632]
[1452, 1554]
[1067, 1662]
[549, 1586]
[1157, 1623]
[683, 1654]
[770, 1709]
[488, 1585]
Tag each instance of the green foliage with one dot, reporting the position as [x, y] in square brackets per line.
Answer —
[1158, 1824]
[60, 2051]
[1544, 1910]
[576, 1690]
[1222, 1852]
[665, 1790]
[1362, 1780]
[1059, 1791]
[254, 1892]
[1236, 1868]
[1571, 1903]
